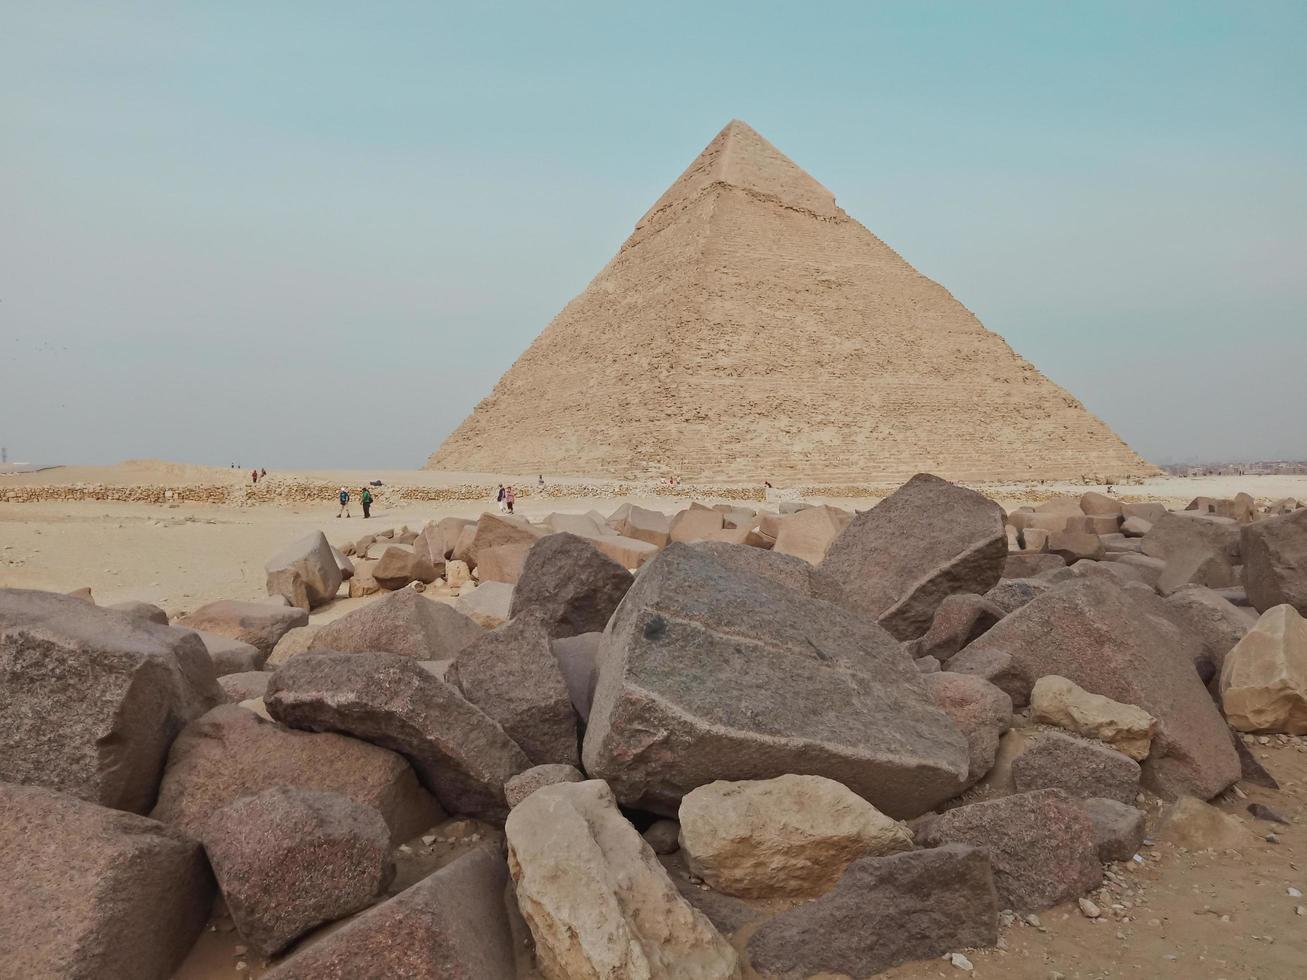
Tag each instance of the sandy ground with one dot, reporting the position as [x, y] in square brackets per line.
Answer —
[1190, 915]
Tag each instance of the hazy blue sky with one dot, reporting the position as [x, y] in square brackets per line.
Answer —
[316, 233]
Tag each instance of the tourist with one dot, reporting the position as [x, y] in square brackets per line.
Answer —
[509, 497]
[541, 480]
[500, 498]
[365, 498]
[254, 476]
[344, 503]
[263, 474]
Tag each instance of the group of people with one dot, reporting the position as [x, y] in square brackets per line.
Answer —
[365, 498]
[257, 475]
[507, 497]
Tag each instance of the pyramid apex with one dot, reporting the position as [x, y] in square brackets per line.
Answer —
[739, 156]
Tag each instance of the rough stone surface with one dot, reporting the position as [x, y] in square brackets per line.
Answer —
[89, 892]
[451, 925]
[578, 662]
[510, 673]
[288, 860]
[245, 685]
[1176, 532]
[488, 605]
[140, 610]
[1195, 566]
[231, 752]
[398, 567]
[260, 624]
[1219, 623]
[1120, 643]
[793, 573]
[518, 788]
[1011, 594]
[788, 836]
[867, 372]
[898, 561]
[305, 572]
[90, 700]
[1025, 565]
[228, 656]
[292, 644]
[1264, 680]
[1191, 823]
[459, 752]
[1041, 845]
[958, 620]
[664, 836]
[980, 710]
[809, 533]
[571, 584]
[996, 667]
[1081, 767]
[1118, 828]
[404, 623]
[1128, 729]
[595, 897]
[1073, 546]
[884, 911]
[709, 673]
[1275, 561]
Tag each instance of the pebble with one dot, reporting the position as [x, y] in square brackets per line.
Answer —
[1090, 910]
[960, 961]
[1294, 892]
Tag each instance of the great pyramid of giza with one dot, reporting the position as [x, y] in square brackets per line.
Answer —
[750, 330]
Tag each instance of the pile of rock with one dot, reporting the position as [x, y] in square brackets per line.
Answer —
[849, 733]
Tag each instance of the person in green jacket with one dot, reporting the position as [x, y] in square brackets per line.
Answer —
[366, 500]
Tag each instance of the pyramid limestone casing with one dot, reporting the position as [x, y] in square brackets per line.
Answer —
[749, 329]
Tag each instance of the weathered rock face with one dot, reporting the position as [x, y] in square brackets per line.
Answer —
[885, 911]
[90, 700]
[996, 667]
[288, 860]
[958, 620]
[1219, 623]
[1041, 845]
[451, 925]
[518, 788]
[459, 752]
[500, 531]
[1119, 643]
[788, 836]
[595, 897]
[260, 624]
[898, 561]
[650, 526]
[1275, 561]
[404, 623]
[292, 644]
[1175, 533]
[510, 673]
[305, 572]
[1191, 823]
[786, 570]
[981, 711]
[1195, 566]
[1118, 828]
[1065, 704]
[246, 685]
[232, 752]
[710, 673]
[1025, 565]
[228, 656]
[1081, 767]
[140, 610]
[578, 662]
[1264, 681]
[399, 567]
[90, 892]
[809, 533]
[488, 605]
[573, 586]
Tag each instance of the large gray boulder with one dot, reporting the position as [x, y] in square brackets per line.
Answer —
[898, 561]
[570, 584]
[232, 752]
[1042, 846]
[1121, 643]
[305, 572]
[90, 700]
[708, 672]
[1178, 532]
[981, 711]
[288, 860]
[459, 752]
[885, 910]
[406, 623]
[399, 566]
[1218, 622]
[511, 674]
[793, 573]
[451, 925]
[1275, 561]
[89, 892]
[260, 624]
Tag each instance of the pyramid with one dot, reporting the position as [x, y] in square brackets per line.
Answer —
[750, 330]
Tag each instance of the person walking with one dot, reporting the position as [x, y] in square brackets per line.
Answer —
[254, 476]
[344, 503]
[500, 498]
[509, 497]
[365, 498]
